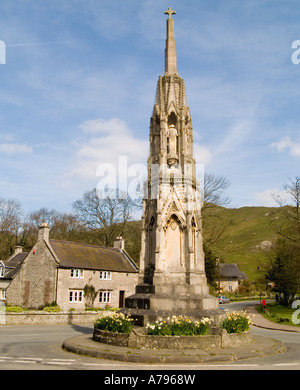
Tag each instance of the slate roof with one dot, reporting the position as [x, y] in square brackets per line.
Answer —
[231, 270]
[14, 262]
[83, 256]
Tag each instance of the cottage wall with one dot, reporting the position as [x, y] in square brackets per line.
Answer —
[120, 285]
[35, 284]
[229, 285]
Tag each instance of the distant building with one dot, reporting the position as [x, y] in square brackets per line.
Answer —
[230, 277]
[57, 271]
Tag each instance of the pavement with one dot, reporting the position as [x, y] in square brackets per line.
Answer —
[259, 347]
[261, 322]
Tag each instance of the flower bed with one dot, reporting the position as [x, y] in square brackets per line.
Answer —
[236, 322]
[172, 333]
[117, 323]
[178, 326]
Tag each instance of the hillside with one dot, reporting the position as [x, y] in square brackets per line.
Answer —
[248, 232]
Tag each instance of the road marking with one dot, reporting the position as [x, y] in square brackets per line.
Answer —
[29, 358]
[286, 364]
[56, 363]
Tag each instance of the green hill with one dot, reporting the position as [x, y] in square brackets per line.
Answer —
[249, 231]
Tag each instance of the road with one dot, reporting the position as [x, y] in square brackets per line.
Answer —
[39, 348]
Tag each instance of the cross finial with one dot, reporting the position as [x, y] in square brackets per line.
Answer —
[170, 12]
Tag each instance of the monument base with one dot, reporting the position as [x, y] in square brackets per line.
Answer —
[146, 306]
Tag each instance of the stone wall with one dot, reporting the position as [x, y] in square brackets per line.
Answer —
[137, 338]
[44, 318]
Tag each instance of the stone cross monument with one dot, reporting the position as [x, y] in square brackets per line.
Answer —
[172, 278]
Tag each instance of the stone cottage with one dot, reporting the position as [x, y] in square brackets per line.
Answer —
[58, 271]
[230, 277]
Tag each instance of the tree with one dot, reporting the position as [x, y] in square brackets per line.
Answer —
[213, 192]
[10, 222]
[89, 293]
[64, 226]
[287, 220]
[214, 199]
[107, 213]
[284, 269]
[211, 268]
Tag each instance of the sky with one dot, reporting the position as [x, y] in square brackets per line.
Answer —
[78, 84]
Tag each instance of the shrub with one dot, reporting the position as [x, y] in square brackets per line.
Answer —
[14, 309]
[236, 322]
[179, 326]
[117, 322]
[51, 309]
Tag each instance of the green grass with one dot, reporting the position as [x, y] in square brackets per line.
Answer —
[277, 313]
[248, 228]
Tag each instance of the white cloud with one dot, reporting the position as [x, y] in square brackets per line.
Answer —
[100, 126]
[287, 143]
[202, 154]
[15, 148]
[112, 144]
[268, 197]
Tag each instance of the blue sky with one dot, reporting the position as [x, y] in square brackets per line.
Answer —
[79, 82]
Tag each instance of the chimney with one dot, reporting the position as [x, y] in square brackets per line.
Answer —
[119, 243]
[18, 249]
[43, 232]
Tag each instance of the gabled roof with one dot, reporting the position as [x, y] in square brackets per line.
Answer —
[14, 262]
[83, 256]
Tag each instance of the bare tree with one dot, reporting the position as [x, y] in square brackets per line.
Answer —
[214, 191]
[64, 226]
[214, 199]
[287, 219]
[10, 222]
[107, 213]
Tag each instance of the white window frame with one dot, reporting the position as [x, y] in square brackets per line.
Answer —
[75, 296]
[104, 296]
[105, 275]
[77, 273]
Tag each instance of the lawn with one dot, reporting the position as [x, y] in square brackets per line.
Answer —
[280, 314]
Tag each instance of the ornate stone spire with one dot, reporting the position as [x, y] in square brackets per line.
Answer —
[172, 277]
[170, 51]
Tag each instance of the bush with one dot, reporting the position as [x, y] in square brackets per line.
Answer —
[102, 309]
[178, 326]
[236, 322]
[14, 309]
[117, 322]
[51, 309]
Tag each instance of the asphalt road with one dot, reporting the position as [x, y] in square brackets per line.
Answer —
[39, 348]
